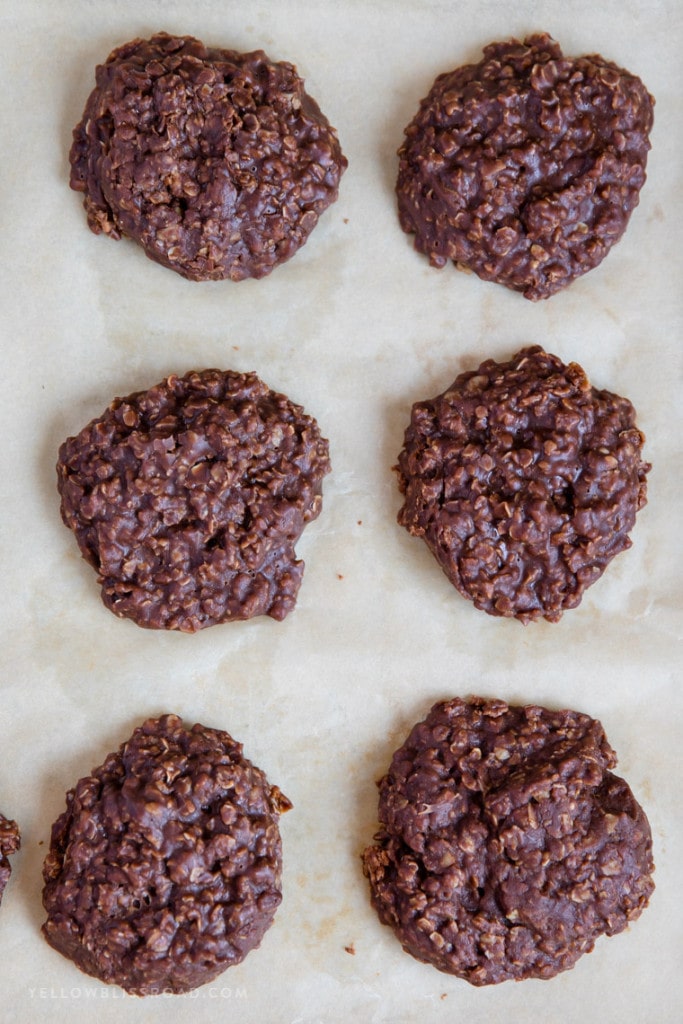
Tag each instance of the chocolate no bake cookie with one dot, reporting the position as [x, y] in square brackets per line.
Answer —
[165, 868]
[188, 499]
[524, 481]
[507, 846]
[525, 167]
[10, 841]
[218, 163]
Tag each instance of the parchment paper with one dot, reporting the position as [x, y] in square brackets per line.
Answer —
[356, 327]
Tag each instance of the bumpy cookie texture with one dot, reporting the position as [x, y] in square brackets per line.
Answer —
[10, 841]
[188, 499]
[507, 846]
[524, 481]
[526, 167]
[165, 868]
[218, 163]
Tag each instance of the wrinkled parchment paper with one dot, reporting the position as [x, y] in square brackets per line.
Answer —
[356, 327]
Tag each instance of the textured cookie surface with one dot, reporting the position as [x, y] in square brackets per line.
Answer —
[10, 841]
[507, 846]
[524, 481]
[165, 868]
[188, 499]
[218, 163]
[525, 167]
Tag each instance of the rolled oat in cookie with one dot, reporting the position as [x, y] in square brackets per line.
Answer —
[218, 163]
[10, 841]
[525, 167]
[165, 868]
[524, 481]
[188, 498]
[506, 845]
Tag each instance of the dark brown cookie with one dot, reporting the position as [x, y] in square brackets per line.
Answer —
[188, 499]
[164, 869]
[218, 163]
[507, 846]
[10, 841]
[524, 481]
[526, 167]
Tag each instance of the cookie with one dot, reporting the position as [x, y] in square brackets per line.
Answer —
[188, 499]
[218, 163]
[507, 846]
[165, 868]
[10, 841]
[525, 168]
[524, 481]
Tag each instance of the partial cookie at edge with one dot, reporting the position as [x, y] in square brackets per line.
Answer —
[10, 842]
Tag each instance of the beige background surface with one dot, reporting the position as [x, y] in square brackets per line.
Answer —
[355, 328]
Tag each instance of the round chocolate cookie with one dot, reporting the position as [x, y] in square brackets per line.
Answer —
[188, 499]
[164, 869]
[526, 167]
[218, 163]
[10, 841]
[524, 481]
[507, 846]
